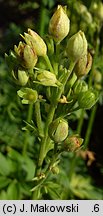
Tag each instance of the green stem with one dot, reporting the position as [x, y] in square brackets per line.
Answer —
[44, 139]
[90, 125]
[38, 118]
[56, 59]
[93, 111]
[93, 65]
[48, 63]
[80, 122]
[29, 117]
[72, 166]
[42, 20]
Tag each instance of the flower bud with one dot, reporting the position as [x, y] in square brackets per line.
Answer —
[87, 99]
[97, 76]
[47, 78]
[83, 65]
[35, 42]
[58, 130]
[22, 77]
[55, 170]
[80, 86]
[77, 46]
[97, 9]
[29, 95]
[72, 143]
[26, 55]
[59, 24]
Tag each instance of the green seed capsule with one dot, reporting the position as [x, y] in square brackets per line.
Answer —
[80, 86]
[83, 65]
[87, 99]
[58, 130]
[72, 143]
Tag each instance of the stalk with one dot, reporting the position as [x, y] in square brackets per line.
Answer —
[29, 117]
[89, 128]
[38, 118]
[48, 63]
[44, 139]
[94, 109]
[80, 122]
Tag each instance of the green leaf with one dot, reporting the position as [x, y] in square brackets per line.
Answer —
[3, 195]
[4, 165]
[14, 155]
[13, 191]
[54, 190]
[25, 189]
[4, 182]
[30, 168]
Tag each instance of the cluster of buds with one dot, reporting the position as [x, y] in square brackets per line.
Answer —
[27, 56]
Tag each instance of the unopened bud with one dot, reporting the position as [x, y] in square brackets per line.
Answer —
[97, 76]
[87, 99]
[59, 24]
[22, 77]
[47, 78]
[35, 42]
[29, 95]
[77, 46]
[97, 9]
[55, 170]
[26, 55]
[83, 65]
[58, 130]
[72, 143]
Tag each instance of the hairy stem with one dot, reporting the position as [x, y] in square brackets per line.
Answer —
[38, 118]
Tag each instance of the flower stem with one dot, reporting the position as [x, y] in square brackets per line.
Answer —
[80, 122]
[38, 118]
[90, 125]
[44, 139]
[48, 63]
[29, 117]
[42, 22]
